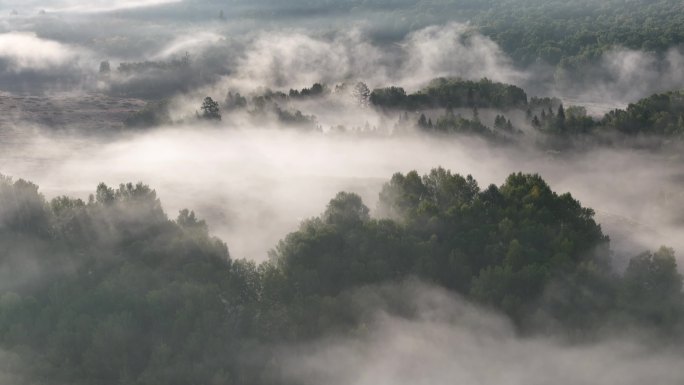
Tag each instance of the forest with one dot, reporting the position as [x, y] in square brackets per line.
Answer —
[352, 192]
[452, 106]
[114, 291]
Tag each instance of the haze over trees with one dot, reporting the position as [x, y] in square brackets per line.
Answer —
[452, 106]
[141, 298]
[210, 109]
[354, 192]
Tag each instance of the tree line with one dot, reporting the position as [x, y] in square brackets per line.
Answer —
[111, 290]
[659, 117]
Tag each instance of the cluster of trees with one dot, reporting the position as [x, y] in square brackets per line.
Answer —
[451, 123]
[501, 123]
[158, 113]
[528, 30]
[518, 247]
[210, 109]
[567, 34]
[234, 101]
[113, 291]
[156, 80]
[359, 92]
[317, 89]
[138, 67]
[659, 114]
[658, 118]
[452, 93]
[155, 113]
[573, 32]
[269, 104]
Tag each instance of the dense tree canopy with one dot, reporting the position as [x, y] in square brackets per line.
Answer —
[659, 114]
[452, 93]
[566, 33]
[112, 291]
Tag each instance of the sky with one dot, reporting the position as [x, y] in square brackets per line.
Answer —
[76, 6]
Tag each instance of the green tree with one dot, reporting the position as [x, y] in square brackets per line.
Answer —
[651, 288]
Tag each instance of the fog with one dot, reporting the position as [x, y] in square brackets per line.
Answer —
[254, 185]
[72, 72]
[28, 61]
[298, 59]
[624, 76]
[32, 6]
[452, 341]
[245, 52]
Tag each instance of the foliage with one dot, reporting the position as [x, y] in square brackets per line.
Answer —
[137, 67]
[210, 109]
[154, 114]
[234, 101]
[134, 293]
[126, 295]
[456, 124]
[659, 114]
[269, 104]
[452, 93]
[316, 90]
[568, 34]
[361, 94]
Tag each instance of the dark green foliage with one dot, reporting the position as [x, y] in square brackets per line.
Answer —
[577, 122]
[564, 126]
[141, 299]
[452, 93]
[388, 97]
[567, 34]
[502, 245]
[524, 223]
[451, 123]
[137, 296]
[572, 33]
[652, 289]
[659, 114]
[456, 124]
[22, 208]
[503, 124]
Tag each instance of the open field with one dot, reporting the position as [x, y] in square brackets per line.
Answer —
[71, 111]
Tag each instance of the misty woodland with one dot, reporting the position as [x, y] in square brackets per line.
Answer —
[315, 192]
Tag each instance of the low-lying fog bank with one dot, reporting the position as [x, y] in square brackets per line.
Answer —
[253, 185]
[451, 340]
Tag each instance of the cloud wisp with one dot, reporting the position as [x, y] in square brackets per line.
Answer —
[448, 340]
